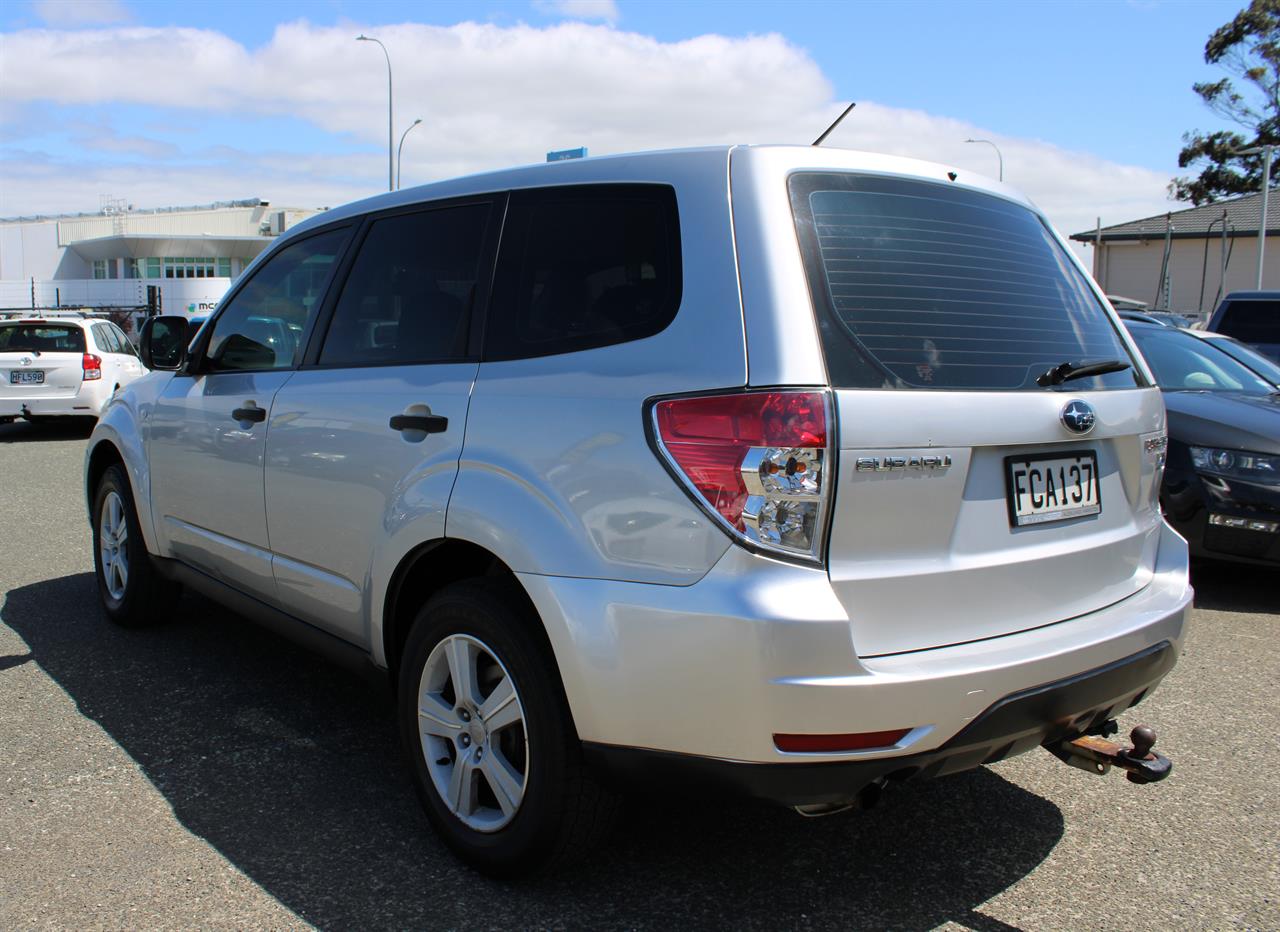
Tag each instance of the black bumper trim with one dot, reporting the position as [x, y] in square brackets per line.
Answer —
[1017, 723]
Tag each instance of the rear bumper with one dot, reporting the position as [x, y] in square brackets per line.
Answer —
[759, 648]
[87, 402]
[1012, 725]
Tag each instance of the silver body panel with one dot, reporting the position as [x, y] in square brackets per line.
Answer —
[557, 476]
[342, 487]
[668, 635]
[207, 480]
[905, 542]
[759, 647]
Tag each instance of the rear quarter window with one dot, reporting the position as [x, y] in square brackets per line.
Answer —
[584, 266]
[918, 285]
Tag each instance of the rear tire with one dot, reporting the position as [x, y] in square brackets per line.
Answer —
[133, 594]
[498, 765]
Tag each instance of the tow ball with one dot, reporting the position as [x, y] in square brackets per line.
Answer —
[1096, 754]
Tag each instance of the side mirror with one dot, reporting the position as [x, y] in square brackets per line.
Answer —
[162, 342]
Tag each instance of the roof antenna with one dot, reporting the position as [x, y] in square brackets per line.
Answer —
[818, 141]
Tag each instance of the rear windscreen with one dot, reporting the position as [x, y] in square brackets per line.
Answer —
[1252, 321]
[40, 338]
[921, 285]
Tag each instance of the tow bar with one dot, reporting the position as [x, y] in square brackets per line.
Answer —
[1097, 755]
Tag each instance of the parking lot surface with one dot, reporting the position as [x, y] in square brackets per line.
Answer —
[207, 774]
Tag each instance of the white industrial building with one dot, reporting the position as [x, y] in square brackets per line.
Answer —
[190, 255]
[1187, 259]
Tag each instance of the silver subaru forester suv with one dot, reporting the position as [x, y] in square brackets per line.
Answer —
[782, 471]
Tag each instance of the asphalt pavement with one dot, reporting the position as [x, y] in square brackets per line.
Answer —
[207, 774]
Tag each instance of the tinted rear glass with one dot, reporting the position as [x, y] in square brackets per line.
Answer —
[43, 338]
[1252, 321]
[920, 285]
[584, 266]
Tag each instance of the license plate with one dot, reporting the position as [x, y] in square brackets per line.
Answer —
[1052, 487]
[27, 377]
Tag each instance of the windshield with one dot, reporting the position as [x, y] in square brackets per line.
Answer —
[1182, 362]
[922, 285]
[1267, 368]
[41, 338]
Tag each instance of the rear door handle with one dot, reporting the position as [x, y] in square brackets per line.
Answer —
[427, 423]
[250, 414]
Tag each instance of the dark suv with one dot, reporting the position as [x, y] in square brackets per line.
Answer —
[1251, 317]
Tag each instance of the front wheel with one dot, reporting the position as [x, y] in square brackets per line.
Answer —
[132, 592]
[495, 758]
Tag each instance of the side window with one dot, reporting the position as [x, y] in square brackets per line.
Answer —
[411, 289]
[126, 345]
[106, 338]
[582, 267]
[263, 325]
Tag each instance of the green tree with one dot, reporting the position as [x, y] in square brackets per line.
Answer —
[1248, 48]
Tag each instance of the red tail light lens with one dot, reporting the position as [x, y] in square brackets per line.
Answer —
[92, 366]
[756, 459]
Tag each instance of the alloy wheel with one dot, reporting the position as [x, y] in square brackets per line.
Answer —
[113, 535]
[472, 729]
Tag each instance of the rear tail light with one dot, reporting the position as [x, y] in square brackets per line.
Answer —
[92, 366]
[757, 460]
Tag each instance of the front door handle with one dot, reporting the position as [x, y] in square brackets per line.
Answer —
[427, 423]
[255, 414]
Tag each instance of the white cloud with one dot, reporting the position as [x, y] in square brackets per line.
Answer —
[489, 96]
[81, 12]
[604, 10]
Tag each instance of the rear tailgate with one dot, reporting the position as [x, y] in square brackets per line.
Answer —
[40, 360]
[925, 554]
[978, 493]
[49, 375]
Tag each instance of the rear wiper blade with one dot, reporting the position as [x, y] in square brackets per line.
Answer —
[1067, 371]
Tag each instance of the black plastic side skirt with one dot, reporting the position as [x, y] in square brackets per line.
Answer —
[334, 649]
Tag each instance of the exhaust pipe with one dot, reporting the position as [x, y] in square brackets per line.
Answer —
[868, 798]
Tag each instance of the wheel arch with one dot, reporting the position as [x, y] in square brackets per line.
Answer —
[102, 456]
[427, 569]
[115, 439]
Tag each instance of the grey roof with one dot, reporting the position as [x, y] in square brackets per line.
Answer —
[149, 245]
[1195, 222]
[132, 211]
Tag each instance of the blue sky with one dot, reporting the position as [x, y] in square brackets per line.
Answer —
[1087, 99]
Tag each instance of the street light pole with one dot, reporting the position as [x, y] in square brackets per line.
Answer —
[998, 155]
[1265, 151]
[400, 149]
[391, 180]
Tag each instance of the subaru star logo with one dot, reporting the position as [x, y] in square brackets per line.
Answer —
[1078, 417]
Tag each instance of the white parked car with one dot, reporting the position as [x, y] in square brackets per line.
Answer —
[782, 471]
[62, 366]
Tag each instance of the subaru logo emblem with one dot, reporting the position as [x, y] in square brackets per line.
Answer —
[1078, 417]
